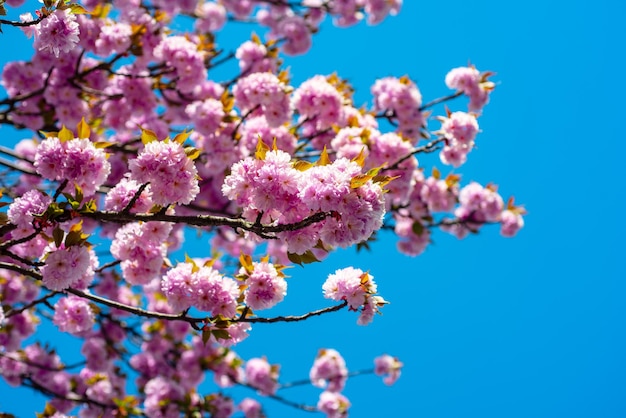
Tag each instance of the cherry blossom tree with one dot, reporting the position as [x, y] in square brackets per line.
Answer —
[130, 143]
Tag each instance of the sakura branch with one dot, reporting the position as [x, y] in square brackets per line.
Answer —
[131, 143]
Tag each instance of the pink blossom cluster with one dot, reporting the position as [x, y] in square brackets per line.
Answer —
[187, 285]
[361, 209]
[121, 195]
[333, 404]
[183, 56]
[73, 315]
[511, 222]
[316, 100]
[101, 386]
[391, 147]
[389, 366]
[266, 92]
[400, 99]
[251, 408]
[68, 267]
[23, 210]
[459, 129]
[206, 115]
[14, 330]
[211, 17]
[262, 376]
[162, 397]
[473, 84]
[258, 127]
[141, 248]
[57, 33]
[329, 370]
[274, 188]
[411, 242]
[132, 102]
[172, 175]
[358, 289]
[294, 30]
[75, 160]
[114, 37]
[350, 12]
[266, 285]
[254, 57]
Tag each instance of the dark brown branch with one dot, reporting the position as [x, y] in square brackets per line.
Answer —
[440, 100]
[13, 311]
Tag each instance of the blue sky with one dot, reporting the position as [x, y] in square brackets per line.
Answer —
[487, 327]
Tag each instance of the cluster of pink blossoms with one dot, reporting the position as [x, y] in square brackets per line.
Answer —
[141, 248]
[459, 129]
[389, 366]
[473, 84]
[71, 266]
[172, 175]
[188, 63]
[271, 186]
[57, 33]
[254, 57]
[266, 285]
[75, 160]
[204, 288]
[329, 371]
[358, 289]
[265, 94]
[318, 101]
[23, 210]
[262, 376]
[400, 99]
[73, 315]
[120, 196]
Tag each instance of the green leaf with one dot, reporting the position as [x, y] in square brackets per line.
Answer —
[418, 228]
[295, 258]
[82, 129]
[308, 257]
[78, 10]
[192, 153]
[182, 137]
[58, 235]
[65, 134]
[147, 136]
[221, 334]
[206, 335]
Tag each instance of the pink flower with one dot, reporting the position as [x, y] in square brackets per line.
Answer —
[73, 314]
[254, 58]
[351, 285]
[511, 223]
[184, 57]
[57, 33]
[266, 286]
[262, 376]
[333, 404]
[388, 365]
[329, 369]
[173, 177]
[121, 195]
[76, 160]
[23, 209]
[471, 83]
[65, 267]
[212, 17]
[251, 408]
[266, 91]
[402, 98]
